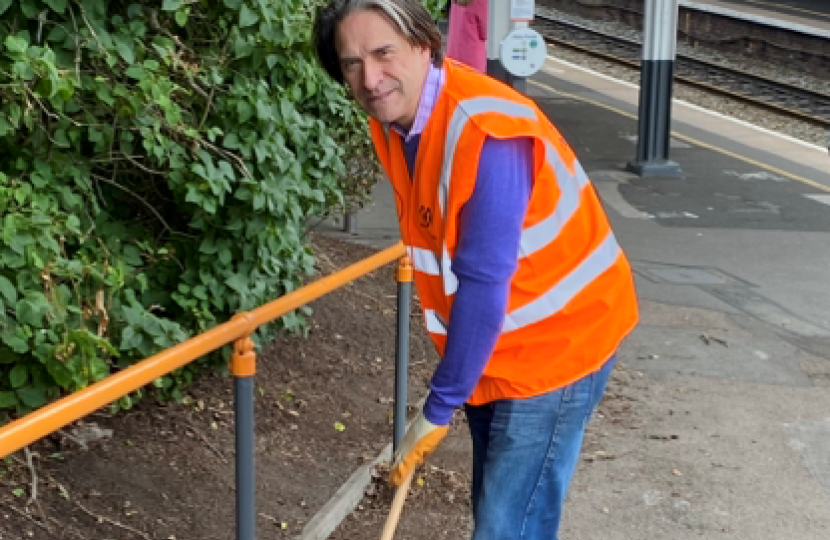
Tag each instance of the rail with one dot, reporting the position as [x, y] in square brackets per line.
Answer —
[780, 97]
[238, 330]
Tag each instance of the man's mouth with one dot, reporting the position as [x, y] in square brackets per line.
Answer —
[376, 98]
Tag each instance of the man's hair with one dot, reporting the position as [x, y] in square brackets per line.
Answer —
[409, 17]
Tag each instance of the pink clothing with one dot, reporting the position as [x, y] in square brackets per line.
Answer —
[467, 34]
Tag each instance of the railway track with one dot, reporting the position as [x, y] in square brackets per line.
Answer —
[812, 107]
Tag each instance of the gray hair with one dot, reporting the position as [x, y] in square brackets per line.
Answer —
[409, 17]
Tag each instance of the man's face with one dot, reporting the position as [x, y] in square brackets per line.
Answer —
[383, 71]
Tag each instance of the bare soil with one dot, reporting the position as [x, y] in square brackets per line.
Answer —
[438, 504]
[323, 409]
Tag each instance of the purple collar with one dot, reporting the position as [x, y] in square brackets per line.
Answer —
[429, 97]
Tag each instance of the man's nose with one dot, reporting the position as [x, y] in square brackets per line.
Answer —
[372, 75]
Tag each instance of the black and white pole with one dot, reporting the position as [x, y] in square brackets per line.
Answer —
[656, 81]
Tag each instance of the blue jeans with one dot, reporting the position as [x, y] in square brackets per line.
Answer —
[524, 455]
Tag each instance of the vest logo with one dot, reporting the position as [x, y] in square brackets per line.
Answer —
[425, 214]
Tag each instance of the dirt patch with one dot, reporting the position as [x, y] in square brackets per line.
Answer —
[438, 505]
[323, 409]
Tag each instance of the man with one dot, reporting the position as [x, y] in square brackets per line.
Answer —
[525, 292]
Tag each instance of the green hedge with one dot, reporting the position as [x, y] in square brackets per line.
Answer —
[158, 163]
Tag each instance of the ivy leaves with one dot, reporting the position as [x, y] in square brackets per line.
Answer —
[158, 163]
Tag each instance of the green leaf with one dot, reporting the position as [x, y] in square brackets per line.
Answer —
[8, 400]
[231, 141]
[125, 46]
[339, 426]
[15, 342]
[16, 44]
[61, 140]
[136, 72]
[247, 17]
[73, 224]
[18, 376]
[32, 396]
[31, 310]
[4, 5]
[57, 5]
[237, 282]
[182, 16]
[8, 290]
[30, 8]
[171, 5]
[59, 372]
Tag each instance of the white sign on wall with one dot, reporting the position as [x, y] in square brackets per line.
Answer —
[523, 52]
[522, 10]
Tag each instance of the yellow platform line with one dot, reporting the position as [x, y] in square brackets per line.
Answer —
[692, 140]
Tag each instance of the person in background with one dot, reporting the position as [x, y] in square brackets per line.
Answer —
[467, 36]
[525, 291]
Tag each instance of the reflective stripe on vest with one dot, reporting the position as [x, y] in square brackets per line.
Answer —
[424, 261]
[533, 238]
[434, 323]
[570, 186]
[557, 297]
[463, 112]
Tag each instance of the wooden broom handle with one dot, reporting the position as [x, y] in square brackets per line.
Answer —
[397, 506]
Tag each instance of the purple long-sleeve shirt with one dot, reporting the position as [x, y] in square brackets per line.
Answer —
[485, 258]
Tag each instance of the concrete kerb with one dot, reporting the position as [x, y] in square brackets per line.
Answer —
[347, 497]
[344, 501]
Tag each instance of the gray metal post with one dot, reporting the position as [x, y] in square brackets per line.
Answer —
[656, 81]
[404, 277]
[245, 486]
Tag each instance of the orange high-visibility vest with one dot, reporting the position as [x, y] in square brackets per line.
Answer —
[572, 298]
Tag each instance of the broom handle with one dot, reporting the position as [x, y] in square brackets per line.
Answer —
[397, 506]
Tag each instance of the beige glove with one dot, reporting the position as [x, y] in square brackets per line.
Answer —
[421, 438]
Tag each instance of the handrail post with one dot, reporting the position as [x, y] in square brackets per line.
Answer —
[403, 276]
[243, 368]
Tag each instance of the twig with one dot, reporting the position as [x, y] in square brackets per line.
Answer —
[230, 155]
[144, 168]
[198, 90]
[208, 105]
[136, 195]
[92, 30]
[207, 442]
[269, 518]
[31, 465]
[78, 52]
[26, 515]
[113, 522]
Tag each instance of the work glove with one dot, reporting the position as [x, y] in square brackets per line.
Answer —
[421, 438]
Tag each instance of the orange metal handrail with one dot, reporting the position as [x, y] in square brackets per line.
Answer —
[46, 420]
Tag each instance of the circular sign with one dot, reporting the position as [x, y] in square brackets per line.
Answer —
[523, 52]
